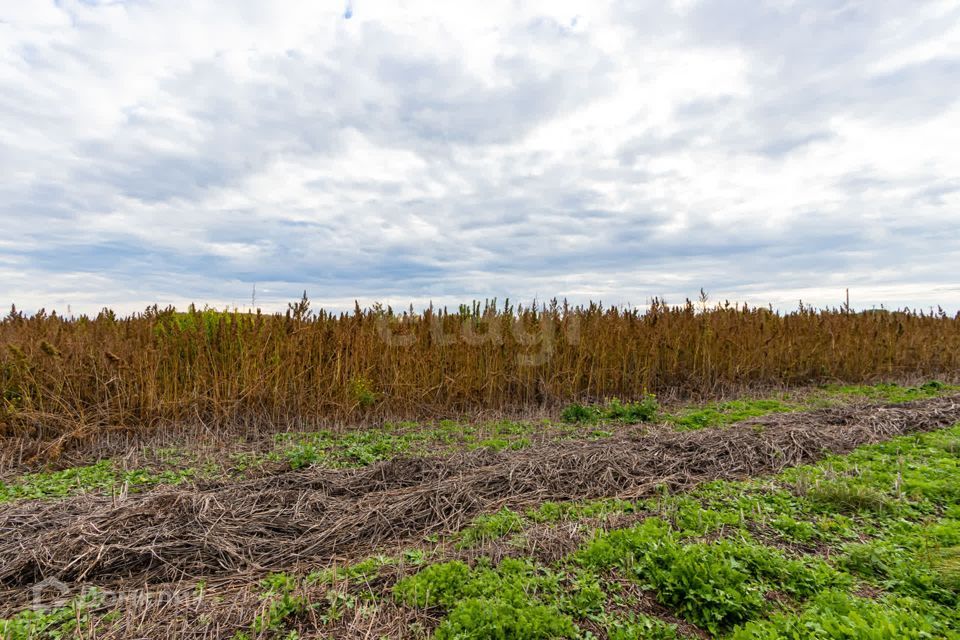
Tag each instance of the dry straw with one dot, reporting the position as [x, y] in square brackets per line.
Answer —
[77, 376]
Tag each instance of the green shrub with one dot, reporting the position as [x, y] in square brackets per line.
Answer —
[892, 392]
[549, 512]
[101, 476]
[499, 444]
[279, 589]
[801, 578]
[447, 583]
[361, 391]
[281, 608]
[715, 585]
[279, 582]
[366, 447]
[557, 511]
[947, 567]
[691, 518]
[352, 449]
[361, 572]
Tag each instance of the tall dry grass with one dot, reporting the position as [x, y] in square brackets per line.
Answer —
[161, 366]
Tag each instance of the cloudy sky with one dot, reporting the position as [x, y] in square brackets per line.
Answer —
[405, 151]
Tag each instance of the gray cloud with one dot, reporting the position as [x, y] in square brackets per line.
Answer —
[763, 151]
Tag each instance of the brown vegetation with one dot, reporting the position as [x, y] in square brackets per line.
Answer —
[70, 376]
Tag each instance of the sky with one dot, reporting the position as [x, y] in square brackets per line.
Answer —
[406, 151]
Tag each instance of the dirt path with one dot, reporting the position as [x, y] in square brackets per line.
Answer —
[174, 533]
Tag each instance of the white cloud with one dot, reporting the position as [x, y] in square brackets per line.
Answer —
[181, 151]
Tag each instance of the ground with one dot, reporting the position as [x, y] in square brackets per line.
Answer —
[815, 513]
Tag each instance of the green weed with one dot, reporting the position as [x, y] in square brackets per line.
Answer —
[490, 527]
[729, 412]
[835, 615]
[892, 393]
[614, 410]
[514, 600]
[848, 497]
[494, 618]
[641, 627]
[101, 476]
[61, 622]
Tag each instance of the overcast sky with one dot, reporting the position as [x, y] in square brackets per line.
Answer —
[406, 151]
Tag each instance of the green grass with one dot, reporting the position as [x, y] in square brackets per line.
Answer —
[724, 413]
[891, 392]
[785, 556]
[296, 450]
[63, 622]
[491, 527]
[838, 615]
[102, 476]
[516, 599]
[640, 627]
[360, 448]
[361, 572]
[890, 513]
[614, 410]
[714, 585]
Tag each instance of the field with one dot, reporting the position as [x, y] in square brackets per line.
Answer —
[65, 379]
[688, 472]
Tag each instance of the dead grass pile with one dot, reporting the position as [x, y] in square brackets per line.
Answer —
[170, 534]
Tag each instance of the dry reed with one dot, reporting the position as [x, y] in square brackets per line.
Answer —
[78, 376]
